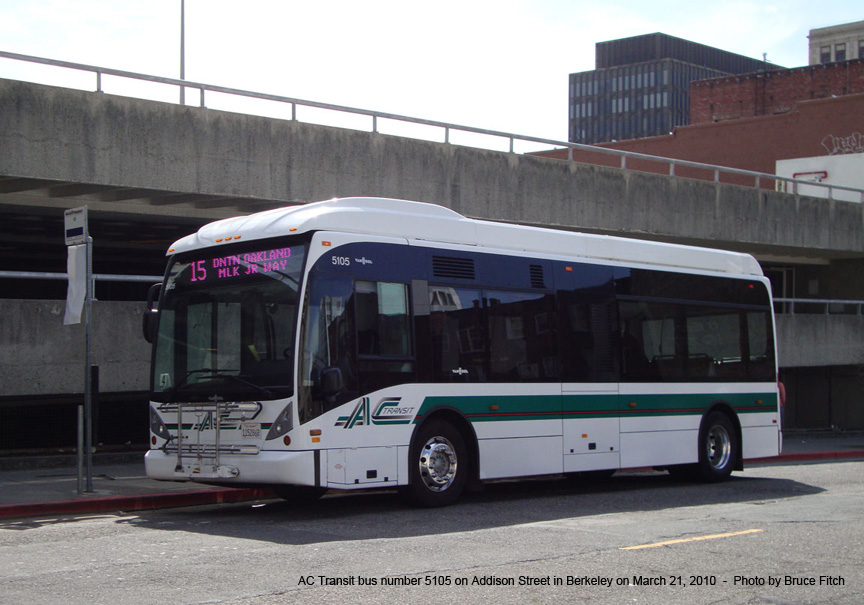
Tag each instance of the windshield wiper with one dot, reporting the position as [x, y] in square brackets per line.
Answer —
[182, 382]
[264, 390]
[219, 373]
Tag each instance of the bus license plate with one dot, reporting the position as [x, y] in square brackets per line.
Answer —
[252, 431]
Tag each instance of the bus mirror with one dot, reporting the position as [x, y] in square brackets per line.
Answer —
[331, 382]
[151, 313]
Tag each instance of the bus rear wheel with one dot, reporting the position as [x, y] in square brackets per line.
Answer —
[439, 465]
[718, 447]
[718, 451]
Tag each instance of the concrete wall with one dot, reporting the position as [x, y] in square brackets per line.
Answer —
[820, 340]
[67, 135]
[41, 356]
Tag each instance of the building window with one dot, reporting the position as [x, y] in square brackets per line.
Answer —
[840, 52]
[825, 54]
[861, 49]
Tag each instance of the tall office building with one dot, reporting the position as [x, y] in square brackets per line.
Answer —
[641, 86]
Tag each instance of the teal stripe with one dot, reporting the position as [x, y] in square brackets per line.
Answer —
[486, 408]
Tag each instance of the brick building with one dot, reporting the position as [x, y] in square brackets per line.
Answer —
[772, 92]
[752, 120]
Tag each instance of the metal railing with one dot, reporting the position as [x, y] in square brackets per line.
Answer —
[624, 156]
[801, 306]
[96, 276]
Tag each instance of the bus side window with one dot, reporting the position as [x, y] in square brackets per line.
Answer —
[384, 339]
[383, 327]
[458, 340]
[521, 337]
[642, 342]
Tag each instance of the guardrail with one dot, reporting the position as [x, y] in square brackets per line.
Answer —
[793, 306]
[624, 156]
[96, 276]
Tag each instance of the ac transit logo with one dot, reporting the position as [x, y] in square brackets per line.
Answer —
[388, 411]
[206, 423]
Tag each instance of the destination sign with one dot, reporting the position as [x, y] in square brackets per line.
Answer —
[234, 266]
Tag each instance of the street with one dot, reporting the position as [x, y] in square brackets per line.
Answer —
[785, 533]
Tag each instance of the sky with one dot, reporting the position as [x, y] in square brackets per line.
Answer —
[495, 64]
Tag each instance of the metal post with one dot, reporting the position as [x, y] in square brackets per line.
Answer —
[88, 376]
[182, 49]
[80, 455]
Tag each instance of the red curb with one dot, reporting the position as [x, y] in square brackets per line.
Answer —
[808, 456]
[132, 503]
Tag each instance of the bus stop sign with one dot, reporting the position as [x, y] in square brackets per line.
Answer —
[75, 226]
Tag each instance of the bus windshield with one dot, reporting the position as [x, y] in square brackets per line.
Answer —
[227, 322]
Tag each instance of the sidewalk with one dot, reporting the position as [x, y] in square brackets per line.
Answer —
[121, 484]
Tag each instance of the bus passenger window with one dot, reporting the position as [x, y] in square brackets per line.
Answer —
[458, 341]
[521, 337]
[382, 319]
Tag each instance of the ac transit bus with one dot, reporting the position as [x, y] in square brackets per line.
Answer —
[368, 343]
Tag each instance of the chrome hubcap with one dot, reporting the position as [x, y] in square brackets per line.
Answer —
[438, 464]
[719, 447]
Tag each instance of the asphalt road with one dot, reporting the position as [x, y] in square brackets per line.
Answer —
[774, 534]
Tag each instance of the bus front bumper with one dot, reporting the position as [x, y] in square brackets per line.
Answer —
[264, 468]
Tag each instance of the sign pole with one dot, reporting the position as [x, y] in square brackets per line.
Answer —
[81, 282]
[88, 374]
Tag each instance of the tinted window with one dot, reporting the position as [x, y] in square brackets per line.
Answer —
[669, 342]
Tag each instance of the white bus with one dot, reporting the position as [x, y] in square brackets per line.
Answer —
[367, 343]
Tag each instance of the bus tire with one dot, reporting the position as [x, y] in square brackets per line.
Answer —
[718, 447]
[438, 465]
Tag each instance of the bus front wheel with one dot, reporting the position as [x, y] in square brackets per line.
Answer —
[439, 465]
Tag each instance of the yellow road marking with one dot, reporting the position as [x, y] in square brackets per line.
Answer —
[696, 539]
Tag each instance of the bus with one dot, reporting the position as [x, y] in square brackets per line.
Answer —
[376, 343]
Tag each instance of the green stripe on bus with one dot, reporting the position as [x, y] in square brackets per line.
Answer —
[485, 408]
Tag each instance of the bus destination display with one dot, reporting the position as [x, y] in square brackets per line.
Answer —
[239, 265]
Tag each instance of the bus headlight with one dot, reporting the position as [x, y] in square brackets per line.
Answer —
[283, 423]
[157, 427]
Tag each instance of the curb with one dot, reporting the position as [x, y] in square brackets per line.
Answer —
[133, 503]
[805, 456]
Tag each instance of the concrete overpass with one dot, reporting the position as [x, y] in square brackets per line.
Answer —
[150, 172]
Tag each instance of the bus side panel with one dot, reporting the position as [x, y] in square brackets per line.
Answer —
[760, 441]
[659, 448]
[361, 467]
[501, 458]
[591, 444]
